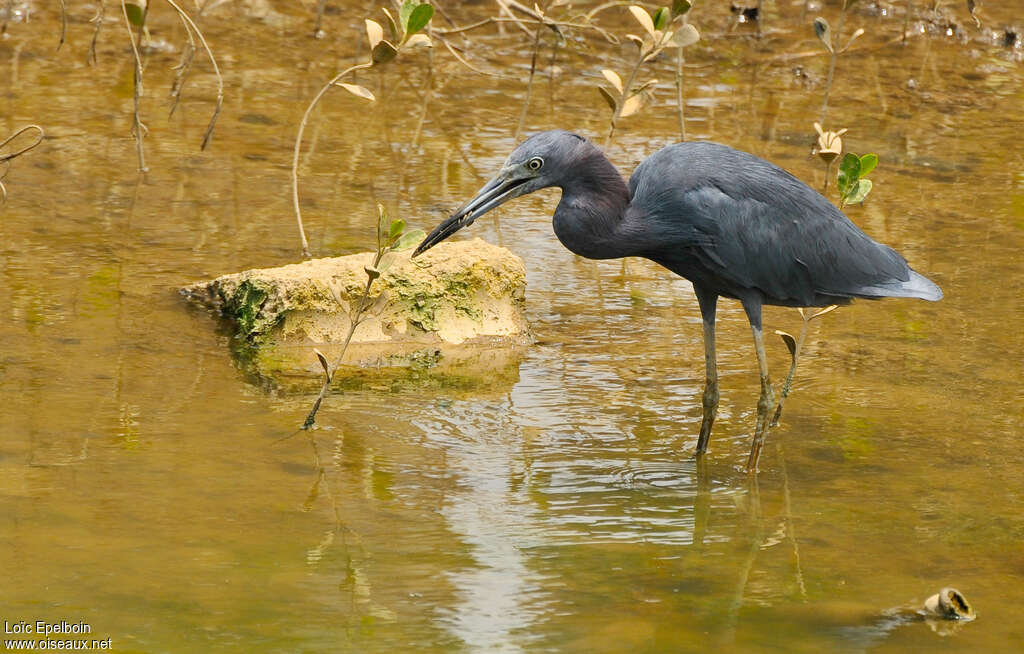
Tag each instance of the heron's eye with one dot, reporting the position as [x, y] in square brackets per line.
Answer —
[535, 163]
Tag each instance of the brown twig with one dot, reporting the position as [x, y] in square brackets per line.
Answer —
[216, 71]
[6, 159]
[138, 129]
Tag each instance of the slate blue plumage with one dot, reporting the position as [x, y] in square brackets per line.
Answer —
[732, 223]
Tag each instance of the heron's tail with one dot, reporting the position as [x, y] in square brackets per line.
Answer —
[917, 286]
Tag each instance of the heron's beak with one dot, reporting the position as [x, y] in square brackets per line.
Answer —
[506, 185]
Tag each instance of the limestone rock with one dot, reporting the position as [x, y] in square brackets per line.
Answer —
[460, 293]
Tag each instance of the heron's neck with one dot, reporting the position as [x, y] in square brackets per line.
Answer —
[593, 203]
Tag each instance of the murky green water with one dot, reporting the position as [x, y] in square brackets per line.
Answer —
[552, 505]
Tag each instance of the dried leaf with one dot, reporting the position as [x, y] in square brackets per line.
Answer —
[632, 105]
[357, 90]
[829, 309]
[323, 362]
[374, 32]
[606, 94]
[379, 303]
[972, 6]
[392, 25]
[824, 32]
[790, 342]
[643, 18]
[854, 37]
[419, 41]
[614, 78]
[384, 52]
[636, 39]
[685, 36]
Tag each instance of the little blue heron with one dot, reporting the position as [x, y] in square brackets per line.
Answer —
[733, 224]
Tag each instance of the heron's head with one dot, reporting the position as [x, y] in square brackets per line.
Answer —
[539, 162]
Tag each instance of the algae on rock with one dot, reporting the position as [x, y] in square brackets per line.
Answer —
[458, 293]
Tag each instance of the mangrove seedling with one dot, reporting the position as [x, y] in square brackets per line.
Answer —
[795, 346]
[391, 237]
[627, 98]
[832, 44]
[853, 187]
[405, 32]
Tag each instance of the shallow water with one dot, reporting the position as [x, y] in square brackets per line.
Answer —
[553, 505]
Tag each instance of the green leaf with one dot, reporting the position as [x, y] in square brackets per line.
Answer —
[397, 226]
[404, 12]
[409, 239]
[384, 52]
[680, 7]
[867, 164]
[136, 13]
[859, 192]
[419, 18]
[849, 173]
[661, 18]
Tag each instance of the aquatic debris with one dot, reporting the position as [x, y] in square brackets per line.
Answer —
[949, 604]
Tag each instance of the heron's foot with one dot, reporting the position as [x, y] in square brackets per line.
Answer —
[765, 407]
[710, 411]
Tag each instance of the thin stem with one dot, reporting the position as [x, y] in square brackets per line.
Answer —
[625, 96]
[137, 127]
[361, 308]
[680, 101]
[98, 21]
[63, 23]
[533, 71]
[216, 71]
[832, 64]
[906, 21]
[298, 147]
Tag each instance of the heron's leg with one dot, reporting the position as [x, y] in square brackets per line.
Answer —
[708, 306]
[766, 402]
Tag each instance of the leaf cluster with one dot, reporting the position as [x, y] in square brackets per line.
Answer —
[665, 28]
[853, 187]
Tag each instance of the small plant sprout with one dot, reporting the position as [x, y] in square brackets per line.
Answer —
[795, 346]
[853, 187]
[7, 157]
[391, 237]
[627, 98]
[828, 147]
[824, 34]
[405, 32]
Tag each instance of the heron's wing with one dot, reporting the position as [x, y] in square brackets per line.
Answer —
[791, 245]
